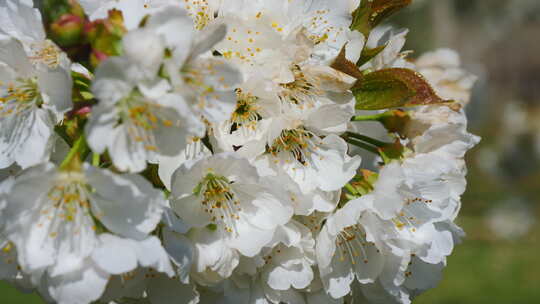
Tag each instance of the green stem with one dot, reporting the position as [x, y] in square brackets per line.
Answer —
[374, 117]
[79, 150]
[362, 145]
[95, 159]
[367, 139]
[61, 131]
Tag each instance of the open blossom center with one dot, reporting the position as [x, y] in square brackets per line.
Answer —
[69, 203]
[313, 221]
[352, 245]
[199, 10]
[142, 118]
[6, 253]
[297, 143]
[197, 80]
[304, 90]
[245, 114]
[406, 218]
[320, 27]
[219, 201]
[47, 53]
[278, 250]
[18, 97]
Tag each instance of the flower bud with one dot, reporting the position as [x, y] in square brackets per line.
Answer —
[65, 21]
[67, 30]
[105, 36]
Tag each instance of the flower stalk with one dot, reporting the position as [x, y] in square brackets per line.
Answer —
[76, 154]
[367, 139]
[365, 146]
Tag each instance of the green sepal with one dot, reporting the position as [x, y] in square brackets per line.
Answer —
[151, 173]
[392, 152]
[395, 121]
[363, 182]
[81, 87]
[342, 64]
[369, 53]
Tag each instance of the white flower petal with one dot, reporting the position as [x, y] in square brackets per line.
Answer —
[56, 85]
[151, 254]
[125, 204]
[191, 211]
[144, 47]
[21, 21]
[80, 287]
[115, 255]
[250, 239]
[181, 252]
[388, 201]
[111, 81]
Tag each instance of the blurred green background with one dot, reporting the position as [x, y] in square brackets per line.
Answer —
[499, 41]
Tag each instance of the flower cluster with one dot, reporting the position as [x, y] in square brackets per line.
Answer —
[207, 151]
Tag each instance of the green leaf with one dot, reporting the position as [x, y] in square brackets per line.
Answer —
[361, 18]
[382, 9]
[394, 87]
[371, 13]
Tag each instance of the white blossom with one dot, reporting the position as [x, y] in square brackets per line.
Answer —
[35, 86]
[224, 191]
[208, 158]
[58, 221]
